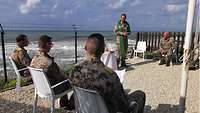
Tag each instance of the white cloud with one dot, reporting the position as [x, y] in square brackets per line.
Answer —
[48, 15]
[67, 12]
[30, 4]
[136, 2]
[117, 5]
[174, 8]
[54, 7]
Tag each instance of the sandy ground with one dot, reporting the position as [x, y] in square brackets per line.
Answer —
[161, 85]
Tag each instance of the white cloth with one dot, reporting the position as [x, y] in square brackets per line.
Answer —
[109, 59]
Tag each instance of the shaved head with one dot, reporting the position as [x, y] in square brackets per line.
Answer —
[95, 45]
[166, 35]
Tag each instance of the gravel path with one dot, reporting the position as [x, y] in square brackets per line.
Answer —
[161, 85]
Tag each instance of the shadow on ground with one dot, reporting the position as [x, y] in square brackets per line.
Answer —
[132, 66]
[7, 106]
[162, 108]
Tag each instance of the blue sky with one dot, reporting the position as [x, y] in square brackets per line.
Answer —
[143, 15]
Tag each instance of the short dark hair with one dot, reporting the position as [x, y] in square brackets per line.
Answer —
[43, 40]
[21, 37]
[99, 44]
[123, 14]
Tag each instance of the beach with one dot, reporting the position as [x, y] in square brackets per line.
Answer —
[161, 85]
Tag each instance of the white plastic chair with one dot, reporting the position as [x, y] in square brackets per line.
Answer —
[43, 88]
[120, 74]
[141, 48]
[88, 101]
[17, 71]
[110, 60]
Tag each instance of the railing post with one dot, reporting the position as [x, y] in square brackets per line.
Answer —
[3, 53]
[75, 36]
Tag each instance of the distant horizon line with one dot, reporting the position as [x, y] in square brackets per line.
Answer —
[36, 30]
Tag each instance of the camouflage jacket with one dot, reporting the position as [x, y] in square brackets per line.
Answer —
[167, 44]
[21, 58]
[44, 61]
[94, 75]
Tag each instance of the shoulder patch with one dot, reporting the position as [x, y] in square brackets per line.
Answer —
[18, 49]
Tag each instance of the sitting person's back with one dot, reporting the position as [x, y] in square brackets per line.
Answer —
[20, 55]
[93, 74]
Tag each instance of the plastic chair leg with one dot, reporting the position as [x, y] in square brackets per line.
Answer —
[52, 105]
[35, 103]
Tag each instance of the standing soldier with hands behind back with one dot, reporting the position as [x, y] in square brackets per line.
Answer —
[122, 30]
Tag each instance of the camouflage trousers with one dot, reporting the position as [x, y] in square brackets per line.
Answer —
[165, 55]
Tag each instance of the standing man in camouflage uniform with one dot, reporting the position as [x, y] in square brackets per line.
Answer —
[20, 55]
[44, 61]
[122, 30]
[166, 47]
[92, 74]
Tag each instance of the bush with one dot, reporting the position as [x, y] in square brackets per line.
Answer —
[11, 84]
[151, 55]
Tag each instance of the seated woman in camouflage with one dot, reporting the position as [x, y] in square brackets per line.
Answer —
[94, 75]
[20, 55]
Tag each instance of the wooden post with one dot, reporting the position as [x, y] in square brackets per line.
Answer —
[149, 39]
[156, 34]
[178, 43]
[152, 41]
[159, 37]
[146, 35]
[182, 40]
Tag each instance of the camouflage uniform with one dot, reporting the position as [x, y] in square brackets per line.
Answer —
[21, 59]
[54, 73]
[94, 75]
[166, 49]
[44, 61]
[122, 41]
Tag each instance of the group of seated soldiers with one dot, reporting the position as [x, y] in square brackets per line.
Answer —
[90, 74]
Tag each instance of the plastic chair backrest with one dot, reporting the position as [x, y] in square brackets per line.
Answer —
[15, 67]
[110, 60]
[88, 101]
[141, 46]
[41, 82]
[120, 74]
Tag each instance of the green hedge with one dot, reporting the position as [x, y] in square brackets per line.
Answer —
[11, 84]
[149, 55]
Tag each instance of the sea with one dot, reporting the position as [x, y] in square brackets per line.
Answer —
[63, 49]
